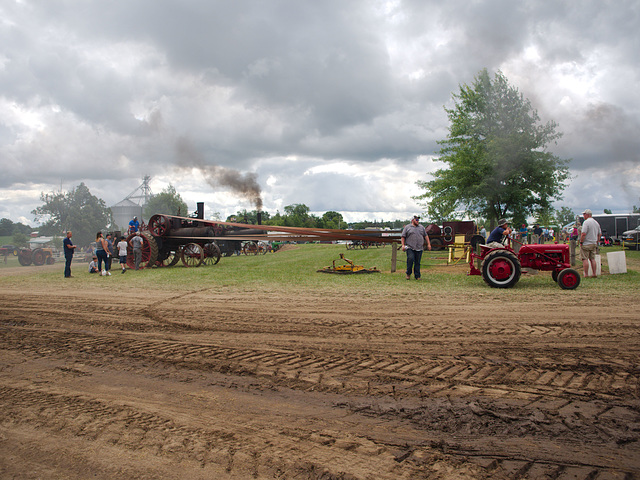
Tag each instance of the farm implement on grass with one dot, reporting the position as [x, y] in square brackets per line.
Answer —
[348, 268]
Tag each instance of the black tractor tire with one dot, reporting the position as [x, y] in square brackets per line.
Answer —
[501, 269]
[568, 279]
[25, 257]
[476, 240]
[436, 245]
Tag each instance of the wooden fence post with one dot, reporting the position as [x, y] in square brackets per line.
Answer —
[394, 256]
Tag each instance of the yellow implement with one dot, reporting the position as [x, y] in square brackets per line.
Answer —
[349, 268]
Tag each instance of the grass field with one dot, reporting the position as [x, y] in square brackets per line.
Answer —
[296, 267]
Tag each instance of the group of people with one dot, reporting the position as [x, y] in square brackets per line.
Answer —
[105, 251]
[414, 238]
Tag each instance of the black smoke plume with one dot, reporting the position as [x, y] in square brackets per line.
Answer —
[245, 184]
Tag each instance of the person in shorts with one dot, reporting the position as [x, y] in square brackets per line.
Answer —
[122, 253]
[589, 239]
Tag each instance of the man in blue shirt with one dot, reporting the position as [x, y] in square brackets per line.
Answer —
[497, 235]
[68, 247]
[134, 225]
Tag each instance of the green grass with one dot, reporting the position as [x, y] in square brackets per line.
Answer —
[295, 270]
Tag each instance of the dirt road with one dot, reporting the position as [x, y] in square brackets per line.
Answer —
[241, 385]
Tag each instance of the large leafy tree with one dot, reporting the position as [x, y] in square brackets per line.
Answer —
[496, 155]
[168, 202]
[77, 210]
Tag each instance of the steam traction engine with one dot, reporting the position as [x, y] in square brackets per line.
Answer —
[501, 267]
[170, 239]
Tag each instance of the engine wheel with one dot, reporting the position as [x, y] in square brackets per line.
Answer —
[250, 248]
[149, 251]
[501, 269]
[159, 225]
[171, 259]
[192, 255]
[212, 254]
[568, 279]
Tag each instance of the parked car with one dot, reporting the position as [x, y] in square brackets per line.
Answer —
[631, 238]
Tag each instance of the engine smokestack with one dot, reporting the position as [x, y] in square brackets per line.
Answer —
[259, 217]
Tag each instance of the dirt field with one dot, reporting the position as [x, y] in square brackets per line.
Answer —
[240, 385]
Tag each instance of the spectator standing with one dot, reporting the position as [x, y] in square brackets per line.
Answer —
[538, 232]
[483, 232]
[523, 233]
[102, 252]
[413, 239]
[112, 250]
[122, 253]
[589, 238]
[136, 243]
[69, 248]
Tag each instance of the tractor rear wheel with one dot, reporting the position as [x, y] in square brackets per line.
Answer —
[501, 269]
[38, 256]
[25, 257]
[568, 279]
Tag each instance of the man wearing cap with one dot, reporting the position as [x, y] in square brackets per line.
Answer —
[589, 239]
[413, 239]
[497, 235]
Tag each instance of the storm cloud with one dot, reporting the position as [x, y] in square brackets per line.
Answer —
[338, 105]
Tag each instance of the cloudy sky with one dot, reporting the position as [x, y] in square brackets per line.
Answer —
[337, 104]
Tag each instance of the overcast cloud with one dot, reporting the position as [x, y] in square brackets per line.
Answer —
[334, 104]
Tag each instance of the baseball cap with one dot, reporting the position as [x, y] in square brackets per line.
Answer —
[502, 221]
[416, 217]
[587, 211]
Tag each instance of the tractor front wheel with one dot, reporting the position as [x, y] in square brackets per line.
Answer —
[568, 279]
[501, 269]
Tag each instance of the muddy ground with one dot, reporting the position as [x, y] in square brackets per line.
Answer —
[240, 385]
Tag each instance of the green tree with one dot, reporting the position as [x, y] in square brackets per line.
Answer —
[6, 227]
[19, 239]
[565, 216]
[168, 202]
[496, 155]
[332, 220]
[297, 215]
[606, 210]
[77, 210]
[244, 216]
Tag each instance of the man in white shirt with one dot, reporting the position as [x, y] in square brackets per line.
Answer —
[589, 240]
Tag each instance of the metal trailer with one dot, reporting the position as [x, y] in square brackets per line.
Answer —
[613, 225]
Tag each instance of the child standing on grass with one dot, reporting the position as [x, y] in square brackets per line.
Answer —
[122, 253]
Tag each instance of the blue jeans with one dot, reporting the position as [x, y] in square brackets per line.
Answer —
[102, 257]
[413, 262]
[67, 265]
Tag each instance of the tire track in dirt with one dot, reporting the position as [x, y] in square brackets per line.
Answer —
[575, 403]
[355, 372]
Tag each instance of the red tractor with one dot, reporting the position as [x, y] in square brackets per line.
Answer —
[501, 267]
